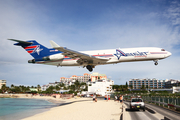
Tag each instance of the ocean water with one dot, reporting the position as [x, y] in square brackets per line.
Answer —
[18, 108]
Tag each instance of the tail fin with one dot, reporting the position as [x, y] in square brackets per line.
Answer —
[35, 49]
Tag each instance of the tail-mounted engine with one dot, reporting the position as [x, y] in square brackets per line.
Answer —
[54, 57]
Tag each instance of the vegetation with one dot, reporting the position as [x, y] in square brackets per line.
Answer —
[15, 89]
[77, 87]
[120, 88]
[124, 89]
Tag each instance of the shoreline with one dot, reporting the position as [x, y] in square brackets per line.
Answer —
[30, 112]
[73, 108]
[58, 102]
[51, 99]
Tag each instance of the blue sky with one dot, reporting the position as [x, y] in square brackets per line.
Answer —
[89, 25]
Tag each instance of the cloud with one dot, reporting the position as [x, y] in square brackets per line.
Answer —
[173, 13]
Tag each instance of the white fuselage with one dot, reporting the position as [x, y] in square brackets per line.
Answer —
[115, 56]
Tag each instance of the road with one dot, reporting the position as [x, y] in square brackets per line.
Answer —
[140, 114]
[165, 112]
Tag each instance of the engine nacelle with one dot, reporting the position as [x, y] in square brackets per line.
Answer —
[54, 57]
[32, 61]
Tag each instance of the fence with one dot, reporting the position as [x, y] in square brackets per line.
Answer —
[168, 101]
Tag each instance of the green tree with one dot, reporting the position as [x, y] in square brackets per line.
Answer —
[131, 86]
[57, 88]
[39, 87]
[126, 85]
[143, 87]
[115, 87]
[4, 88]
[72, 88]
[50, 90]
[62, 85]
[12, 85]
[77, 85]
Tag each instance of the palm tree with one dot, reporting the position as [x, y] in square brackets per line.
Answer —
[4, 88]
[143, 87]
[61, 85]
[82, 85]
[77, 85]
[50, 89]
[12, 86]
[57, 88]
[131, 86]
[72, 87]
[38, 87]
[126, 85]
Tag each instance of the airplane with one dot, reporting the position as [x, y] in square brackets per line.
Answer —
[62, 56]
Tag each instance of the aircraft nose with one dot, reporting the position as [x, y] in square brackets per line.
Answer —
[169, 54]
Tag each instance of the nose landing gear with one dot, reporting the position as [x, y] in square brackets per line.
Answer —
[155, 62]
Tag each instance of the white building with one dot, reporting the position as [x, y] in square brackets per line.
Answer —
[2, 82]
[148, 83]
[176, 89]
[101, 87]
[44, 87]
[171, 90]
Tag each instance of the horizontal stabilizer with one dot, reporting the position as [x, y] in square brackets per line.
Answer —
[21, 43]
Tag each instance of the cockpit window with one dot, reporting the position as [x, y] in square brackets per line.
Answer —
[162, 49]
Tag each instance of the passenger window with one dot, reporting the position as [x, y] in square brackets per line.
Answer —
[162, 49]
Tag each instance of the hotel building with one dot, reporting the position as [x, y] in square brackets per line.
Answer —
[148, 83]
[85, 78]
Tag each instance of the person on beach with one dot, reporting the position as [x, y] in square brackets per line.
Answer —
[108, 97]
[115, 98]
[121, 99]
[105, 97]
[94, 98]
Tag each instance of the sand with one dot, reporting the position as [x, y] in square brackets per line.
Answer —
[81, 109]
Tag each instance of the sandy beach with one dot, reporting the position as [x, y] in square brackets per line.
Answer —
[75, 108]
[80, 109]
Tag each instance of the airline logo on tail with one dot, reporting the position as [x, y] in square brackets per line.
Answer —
[120, 53]
[33, 49]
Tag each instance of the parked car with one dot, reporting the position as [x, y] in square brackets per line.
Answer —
[137, 103]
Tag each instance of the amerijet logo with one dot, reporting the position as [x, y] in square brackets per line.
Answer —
[33, 49]
[37, 49]
[120, 53]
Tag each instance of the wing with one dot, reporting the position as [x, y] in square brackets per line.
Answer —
[75, 54]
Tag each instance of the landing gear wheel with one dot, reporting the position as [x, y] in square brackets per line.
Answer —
[89, 67]
[156, 63]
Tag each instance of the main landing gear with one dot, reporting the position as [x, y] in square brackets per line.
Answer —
[90, 68]
[155, 62]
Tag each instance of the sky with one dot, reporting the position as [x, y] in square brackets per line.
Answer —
[83, 25]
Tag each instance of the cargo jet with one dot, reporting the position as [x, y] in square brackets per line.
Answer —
[62, 56]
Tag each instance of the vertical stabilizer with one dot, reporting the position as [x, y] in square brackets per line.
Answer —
[35, 49]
